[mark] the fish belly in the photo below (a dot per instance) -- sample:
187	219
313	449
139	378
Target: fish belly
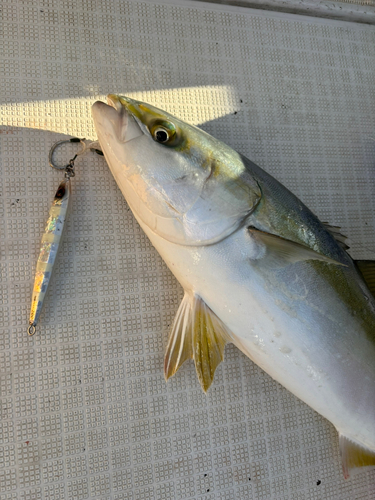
313	348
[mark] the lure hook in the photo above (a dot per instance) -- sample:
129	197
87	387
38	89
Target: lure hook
70	166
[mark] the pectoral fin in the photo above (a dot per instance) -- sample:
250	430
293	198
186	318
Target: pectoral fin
199	334
354	455
367	269
284	251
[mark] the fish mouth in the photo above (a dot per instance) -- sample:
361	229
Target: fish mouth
114	101
116	117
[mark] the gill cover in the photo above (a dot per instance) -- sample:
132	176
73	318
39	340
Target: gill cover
185	185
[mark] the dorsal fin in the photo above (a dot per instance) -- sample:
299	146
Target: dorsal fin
354	455
199	334
367	269
336	233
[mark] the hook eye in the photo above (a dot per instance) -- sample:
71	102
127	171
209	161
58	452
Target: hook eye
57	144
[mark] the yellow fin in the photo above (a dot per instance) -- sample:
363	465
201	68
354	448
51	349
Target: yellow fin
209	336
367	269
284	251
196	333
354	455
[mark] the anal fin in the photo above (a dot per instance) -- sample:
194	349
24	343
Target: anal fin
199	334
354	455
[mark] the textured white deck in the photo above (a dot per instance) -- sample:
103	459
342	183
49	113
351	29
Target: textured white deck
85	412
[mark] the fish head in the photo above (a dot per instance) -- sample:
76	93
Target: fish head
183	184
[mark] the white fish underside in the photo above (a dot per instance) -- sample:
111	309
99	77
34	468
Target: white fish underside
314	368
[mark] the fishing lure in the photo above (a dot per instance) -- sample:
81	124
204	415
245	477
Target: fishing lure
52	235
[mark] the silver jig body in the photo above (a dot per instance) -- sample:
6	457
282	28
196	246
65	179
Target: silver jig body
52	235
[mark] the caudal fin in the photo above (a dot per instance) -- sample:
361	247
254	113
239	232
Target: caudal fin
354	455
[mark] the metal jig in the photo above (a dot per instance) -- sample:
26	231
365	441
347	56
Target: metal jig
52	234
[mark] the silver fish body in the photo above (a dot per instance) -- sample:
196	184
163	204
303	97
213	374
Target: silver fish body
258	268
48	251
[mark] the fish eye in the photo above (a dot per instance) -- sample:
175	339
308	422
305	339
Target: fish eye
161	135
164	132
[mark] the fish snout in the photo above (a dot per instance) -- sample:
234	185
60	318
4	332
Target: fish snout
114	119
106	118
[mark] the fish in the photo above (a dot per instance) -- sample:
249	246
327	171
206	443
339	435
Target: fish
258	268
48	250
